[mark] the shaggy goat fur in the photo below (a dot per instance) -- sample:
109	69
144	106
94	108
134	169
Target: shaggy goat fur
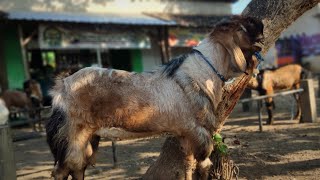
179	98
283	78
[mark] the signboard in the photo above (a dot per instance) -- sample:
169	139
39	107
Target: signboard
55	37
180	37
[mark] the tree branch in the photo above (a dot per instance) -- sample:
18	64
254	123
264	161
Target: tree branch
277	15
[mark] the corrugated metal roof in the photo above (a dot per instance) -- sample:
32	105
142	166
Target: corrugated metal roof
129	19
190	20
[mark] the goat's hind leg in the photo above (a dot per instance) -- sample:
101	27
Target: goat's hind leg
79	151
90	157
298	106
94	142
60	172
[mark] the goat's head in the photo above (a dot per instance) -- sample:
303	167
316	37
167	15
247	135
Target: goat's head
241	36
33	89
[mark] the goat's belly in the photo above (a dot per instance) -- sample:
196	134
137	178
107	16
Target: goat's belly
121	134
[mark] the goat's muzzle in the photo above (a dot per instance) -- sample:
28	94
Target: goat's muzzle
259	43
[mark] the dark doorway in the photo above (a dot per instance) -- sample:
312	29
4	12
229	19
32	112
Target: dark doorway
121	59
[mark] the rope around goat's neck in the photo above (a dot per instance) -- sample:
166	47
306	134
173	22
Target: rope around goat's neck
260	59
227	81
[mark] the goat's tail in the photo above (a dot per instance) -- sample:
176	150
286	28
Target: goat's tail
57	126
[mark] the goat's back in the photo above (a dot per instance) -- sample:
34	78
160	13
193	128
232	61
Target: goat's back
14	98
282	78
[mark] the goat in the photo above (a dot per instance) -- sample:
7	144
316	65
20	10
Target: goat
179	98
283	78
28	99
16	99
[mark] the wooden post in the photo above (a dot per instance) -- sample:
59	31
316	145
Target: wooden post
166	43
308	102
3	66
7	163
318	85
23	52
114	153
163	43
246	106
99	61
259	103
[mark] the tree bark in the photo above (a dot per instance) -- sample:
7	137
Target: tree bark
276	16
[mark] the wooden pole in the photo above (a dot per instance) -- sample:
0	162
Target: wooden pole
99	61
3	66
260	115
318	85
114	153
246	105
166	43
23	52
308	102
163	43
7	163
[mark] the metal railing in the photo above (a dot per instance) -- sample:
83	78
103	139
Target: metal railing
260	98
27	119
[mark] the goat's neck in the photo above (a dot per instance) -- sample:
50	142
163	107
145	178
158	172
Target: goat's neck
216	55
213	85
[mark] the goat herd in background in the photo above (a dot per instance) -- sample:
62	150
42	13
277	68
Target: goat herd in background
26	104
268	81
174	99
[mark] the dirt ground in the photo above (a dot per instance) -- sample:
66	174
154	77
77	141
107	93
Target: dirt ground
285	150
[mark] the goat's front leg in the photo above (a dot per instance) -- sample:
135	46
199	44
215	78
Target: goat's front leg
189	165
204	167
269	106
197	144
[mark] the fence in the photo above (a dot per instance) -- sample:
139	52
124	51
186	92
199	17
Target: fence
308	102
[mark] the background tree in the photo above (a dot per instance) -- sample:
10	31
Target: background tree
276	16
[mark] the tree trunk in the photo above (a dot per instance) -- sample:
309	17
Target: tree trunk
276	15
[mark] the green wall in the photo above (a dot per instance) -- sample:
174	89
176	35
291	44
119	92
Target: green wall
136	59
13	58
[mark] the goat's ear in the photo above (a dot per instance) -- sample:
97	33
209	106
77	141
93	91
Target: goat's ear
237	57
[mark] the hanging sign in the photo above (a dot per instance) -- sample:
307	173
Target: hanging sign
55	37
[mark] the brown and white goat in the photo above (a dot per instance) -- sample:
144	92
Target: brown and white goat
31	96
283	78
179	98
30	99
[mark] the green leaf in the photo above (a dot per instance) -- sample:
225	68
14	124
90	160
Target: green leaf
217	138
223	148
